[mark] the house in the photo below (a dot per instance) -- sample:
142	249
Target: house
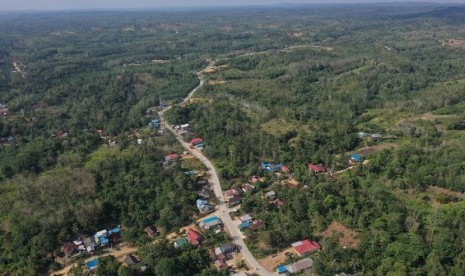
69	249
270	167
205	193
101	238
300	265
244	225
355	159
185	127
225	251
232	193
204	206
271	195
181	242
279	202
247	187
233	201
114	235
316	168
196	141
92	264
149	231
212	254
210	222
255	225
281	269
305	247
254	179
221	265
89	244
194	237
171	157
80	245
285	169
130	260
246	218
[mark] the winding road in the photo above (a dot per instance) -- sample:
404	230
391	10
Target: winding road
223	212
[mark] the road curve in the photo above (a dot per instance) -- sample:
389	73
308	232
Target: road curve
223	210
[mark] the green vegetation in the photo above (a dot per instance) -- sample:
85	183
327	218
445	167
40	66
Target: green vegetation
293	85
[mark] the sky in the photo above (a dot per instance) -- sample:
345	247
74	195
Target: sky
138	4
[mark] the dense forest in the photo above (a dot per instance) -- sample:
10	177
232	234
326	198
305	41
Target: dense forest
292	85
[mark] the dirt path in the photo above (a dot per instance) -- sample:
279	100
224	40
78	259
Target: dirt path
123	251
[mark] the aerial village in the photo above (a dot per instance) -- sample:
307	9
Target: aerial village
225	256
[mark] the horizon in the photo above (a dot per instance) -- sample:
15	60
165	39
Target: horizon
122	5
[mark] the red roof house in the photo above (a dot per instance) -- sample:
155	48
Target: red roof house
305	247
194	237
149	231
171	157
196	141
284	169
316	168
232	193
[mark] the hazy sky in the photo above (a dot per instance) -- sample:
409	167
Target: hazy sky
117	4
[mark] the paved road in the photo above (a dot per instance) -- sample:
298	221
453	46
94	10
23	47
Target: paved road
223	210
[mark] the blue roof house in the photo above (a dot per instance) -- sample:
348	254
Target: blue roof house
92	264
356	158
244	225
281	269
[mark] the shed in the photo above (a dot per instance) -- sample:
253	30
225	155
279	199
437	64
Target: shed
130	260
300	265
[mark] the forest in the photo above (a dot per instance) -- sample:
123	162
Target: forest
293	85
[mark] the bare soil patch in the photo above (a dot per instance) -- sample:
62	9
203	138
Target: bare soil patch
456	43
348	238
270	262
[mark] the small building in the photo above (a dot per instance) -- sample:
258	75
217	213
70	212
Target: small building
244	225
114	235
247	187
254	179
130	260
355	159
246	218
233	201
213	256
269	167
185	127
171	157
221	265
305	247
205	193
271	195
149	231
285	169
363	135
279	202
92	264
300	265
70	249
194	237
256	224
203	206
89	244
225	251
181	242
281	269
112	143
210	222
232	193
196	141
316	168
